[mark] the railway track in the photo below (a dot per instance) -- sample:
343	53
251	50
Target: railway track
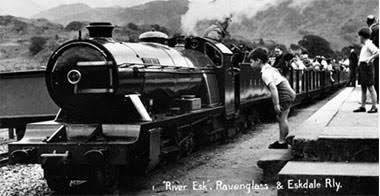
3	158
4	152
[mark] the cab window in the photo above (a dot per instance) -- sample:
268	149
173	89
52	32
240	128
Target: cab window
214	55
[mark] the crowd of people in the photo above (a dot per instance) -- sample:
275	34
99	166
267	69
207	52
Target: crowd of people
297	59
274	70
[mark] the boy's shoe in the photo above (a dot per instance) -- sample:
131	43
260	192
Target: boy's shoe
372	110
277	145
360	109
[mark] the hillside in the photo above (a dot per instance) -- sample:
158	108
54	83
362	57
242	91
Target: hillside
338	21
15	36
165	13
62	11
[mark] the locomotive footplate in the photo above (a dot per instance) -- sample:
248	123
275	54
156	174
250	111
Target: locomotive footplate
69	151
116	153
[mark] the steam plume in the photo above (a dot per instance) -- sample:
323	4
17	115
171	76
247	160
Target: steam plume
219	9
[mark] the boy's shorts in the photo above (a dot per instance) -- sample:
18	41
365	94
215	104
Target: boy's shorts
285	96
366	74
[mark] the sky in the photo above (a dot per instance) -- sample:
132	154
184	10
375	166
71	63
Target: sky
29	8
91	3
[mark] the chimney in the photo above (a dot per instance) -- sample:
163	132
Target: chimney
100	29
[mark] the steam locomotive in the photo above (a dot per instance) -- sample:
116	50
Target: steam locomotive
126	107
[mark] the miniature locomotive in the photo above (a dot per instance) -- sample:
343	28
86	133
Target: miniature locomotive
126	107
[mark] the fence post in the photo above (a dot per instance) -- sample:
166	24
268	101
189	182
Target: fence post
291	79
298	81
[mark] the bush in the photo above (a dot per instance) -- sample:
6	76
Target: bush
37	43
19	26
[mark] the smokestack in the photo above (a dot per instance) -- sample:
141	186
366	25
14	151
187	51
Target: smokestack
100	29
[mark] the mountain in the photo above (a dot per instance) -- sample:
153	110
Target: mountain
17	27
21	8
337	21
62	11
165	13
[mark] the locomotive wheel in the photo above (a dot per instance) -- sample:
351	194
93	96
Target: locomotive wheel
104	179
248	126
189	145
186	144
58	184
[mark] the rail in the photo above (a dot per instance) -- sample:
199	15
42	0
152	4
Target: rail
4	152
4	159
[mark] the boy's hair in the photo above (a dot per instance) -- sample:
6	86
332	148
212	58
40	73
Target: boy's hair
365	33
259	53
288	57
294	47
281	47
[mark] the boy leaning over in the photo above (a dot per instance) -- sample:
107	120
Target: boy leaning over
282	94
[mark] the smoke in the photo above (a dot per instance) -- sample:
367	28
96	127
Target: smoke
219	9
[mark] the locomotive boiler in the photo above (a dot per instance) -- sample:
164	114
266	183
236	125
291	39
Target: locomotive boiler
126	107
101	80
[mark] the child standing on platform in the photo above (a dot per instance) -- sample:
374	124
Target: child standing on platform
282	94
366	69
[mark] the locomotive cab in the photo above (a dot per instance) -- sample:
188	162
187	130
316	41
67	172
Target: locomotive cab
221	56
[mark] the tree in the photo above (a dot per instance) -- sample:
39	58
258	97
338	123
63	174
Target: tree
74	26
317	46
37	43
345	52
160	28
132	26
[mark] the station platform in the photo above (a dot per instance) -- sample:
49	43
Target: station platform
336	133
334	152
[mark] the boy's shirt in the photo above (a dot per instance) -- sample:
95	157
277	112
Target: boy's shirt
270	74
368	49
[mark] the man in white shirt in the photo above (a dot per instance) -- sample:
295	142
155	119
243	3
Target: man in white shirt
366	69
373	25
